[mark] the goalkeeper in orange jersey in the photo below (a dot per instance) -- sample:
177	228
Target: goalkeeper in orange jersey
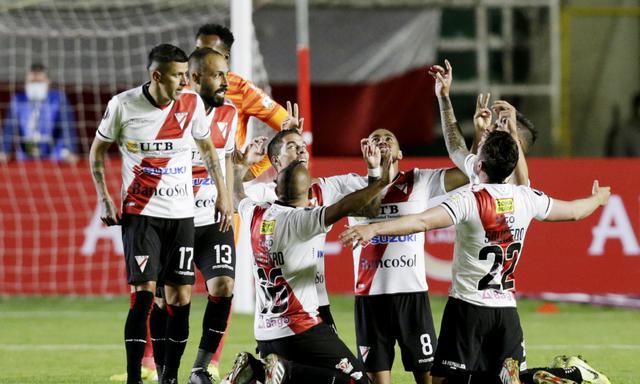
249	100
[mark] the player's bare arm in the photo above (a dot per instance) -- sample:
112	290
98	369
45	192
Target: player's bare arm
242	161
229	179
371	155
432	218
580	208
506	121
456	146
353	202
108	210
224	209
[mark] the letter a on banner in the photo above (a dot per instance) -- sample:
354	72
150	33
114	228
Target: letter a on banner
614	224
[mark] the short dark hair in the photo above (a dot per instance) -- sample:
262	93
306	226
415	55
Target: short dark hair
499	155
275	145
166	53
38	67
528	133
219	30
285	187
196	57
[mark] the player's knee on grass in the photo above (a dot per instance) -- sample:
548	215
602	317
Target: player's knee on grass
221	286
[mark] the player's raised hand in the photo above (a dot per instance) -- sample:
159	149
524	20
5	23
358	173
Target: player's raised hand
253	152
293	120
108	212
443	77
370	153
386	162
506	117
601	193
357	235
482	116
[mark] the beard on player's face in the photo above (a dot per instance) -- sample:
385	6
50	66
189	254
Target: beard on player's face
213	98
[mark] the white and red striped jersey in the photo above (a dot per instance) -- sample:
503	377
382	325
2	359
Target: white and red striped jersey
266	192
284	244
390	264
491	223
223	122
155	144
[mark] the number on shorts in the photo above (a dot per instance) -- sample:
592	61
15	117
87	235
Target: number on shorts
425	340
183	256
223	253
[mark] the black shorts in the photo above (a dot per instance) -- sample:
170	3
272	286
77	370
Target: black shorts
475	338
158	249
215	252
319	346
383	319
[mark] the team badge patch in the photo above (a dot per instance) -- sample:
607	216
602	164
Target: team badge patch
364	352
268	227
504	206
223	127
142	261
132	146
345	366
181	117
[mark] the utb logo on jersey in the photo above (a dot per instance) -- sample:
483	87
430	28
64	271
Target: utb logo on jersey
181	117
504	206
268	227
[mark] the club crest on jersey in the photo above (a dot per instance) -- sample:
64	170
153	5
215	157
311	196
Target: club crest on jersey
181	117
142	261
223	127
268	227
364	352
345	366
504	205
403	187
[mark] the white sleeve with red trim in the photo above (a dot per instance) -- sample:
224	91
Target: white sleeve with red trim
110	125
306	223
540	203
334	188
459	205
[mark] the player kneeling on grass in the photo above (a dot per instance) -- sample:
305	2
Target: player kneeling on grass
294	342
491	220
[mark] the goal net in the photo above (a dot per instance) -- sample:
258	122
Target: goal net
52	241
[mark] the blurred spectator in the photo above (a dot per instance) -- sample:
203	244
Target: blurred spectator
625	139
39	123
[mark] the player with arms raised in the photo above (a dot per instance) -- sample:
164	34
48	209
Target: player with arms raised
491	220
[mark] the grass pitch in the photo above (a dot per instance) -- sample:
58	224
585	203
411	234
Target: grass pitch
80	340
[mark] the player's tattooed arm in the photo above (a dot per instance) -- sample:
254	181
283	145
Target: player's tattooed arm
454	140
108	210
456	146
223	207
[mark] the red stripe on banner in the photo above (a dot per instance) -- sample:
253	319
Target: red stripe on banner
179	117
143	185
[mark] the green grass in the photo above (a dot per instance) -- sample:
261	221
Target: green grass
79	340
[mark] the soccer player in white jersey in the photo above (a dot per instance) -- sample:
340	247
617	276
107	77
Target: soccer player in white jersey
560	372
296	344
392	300
153	125
480	327
214	249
